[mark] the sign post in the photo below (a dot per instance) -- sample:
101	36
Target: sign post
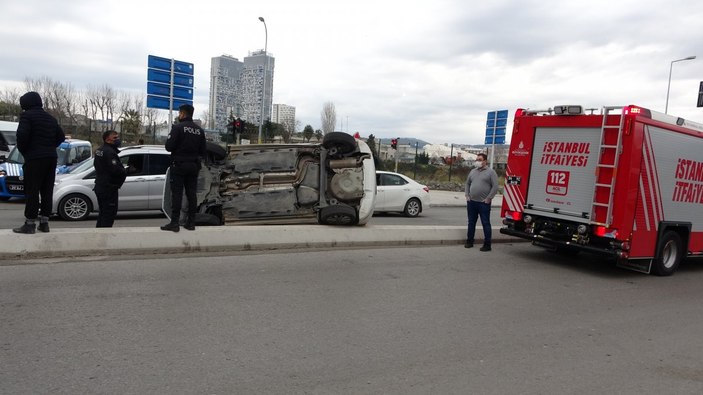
169	84
495	130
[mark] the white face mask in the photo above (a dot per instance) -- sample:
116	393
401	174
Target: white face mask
478	163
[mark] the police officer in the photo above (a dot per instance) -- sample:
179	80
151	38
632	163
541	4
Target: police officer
186	143
109	177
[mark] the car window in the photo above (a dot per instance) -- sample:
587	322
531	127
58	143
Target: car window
158	164
15	156
10	137
390	179
82	153
134	163
82	167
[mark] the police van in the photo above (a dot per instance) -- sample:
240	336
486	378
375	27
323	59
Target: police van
8	137
70	153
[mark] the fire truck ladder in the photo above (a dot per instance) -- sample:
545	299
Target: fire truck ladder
609	151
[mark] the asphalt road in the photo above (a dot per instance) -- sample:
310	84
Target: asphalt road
426	320
12	215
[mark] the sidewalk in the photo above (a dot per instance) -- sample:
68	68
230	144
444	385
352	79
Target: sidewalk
456	199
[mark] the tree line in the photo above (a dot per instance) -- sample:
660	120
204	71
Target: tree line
85	114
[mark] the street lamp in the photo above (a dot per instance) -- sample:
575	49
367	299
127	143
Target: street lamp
263	92
666	107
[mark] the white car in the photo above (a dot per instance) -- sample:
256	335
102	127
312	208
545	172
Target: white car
74	198
398	193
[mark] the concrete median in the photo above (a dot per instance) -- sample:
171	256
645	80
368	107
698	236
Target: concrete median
131	241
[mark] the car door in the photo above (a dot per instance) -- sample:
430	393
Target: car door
134	194
392	191
158	164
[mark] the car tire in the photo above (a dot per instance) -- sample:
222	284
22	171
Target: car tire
75	207
670	254
413	208
339	143
215	152
338	215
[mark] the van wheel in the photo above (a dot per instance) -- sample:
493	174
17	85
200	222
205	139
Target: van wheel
412	208
339	143
75	207
670	254
338	215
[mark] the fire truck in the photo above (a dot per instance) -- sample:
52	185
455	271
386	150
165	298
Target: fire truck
623	181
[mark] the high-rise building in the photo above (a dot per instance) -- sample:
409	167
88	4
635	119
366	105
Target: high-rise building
225	73
236	88
285	115
252	86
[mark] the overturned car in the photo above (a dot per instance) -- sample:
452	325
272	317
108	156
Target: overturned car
332	183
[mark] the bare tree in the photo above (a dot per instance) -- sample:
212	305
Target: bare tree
102	99
10	95
328	116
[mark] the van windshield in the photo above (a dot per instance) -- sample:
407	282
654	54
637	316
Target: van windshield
16	157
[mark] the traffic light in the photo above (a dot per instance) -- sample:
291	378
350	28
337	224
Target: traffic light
394	143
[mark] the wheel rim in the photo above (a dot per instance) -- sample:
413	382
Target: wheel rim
669	254
339	219
413	208
75	208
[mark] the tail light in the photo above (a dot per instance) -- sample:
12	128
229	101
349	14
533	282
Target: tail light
602	231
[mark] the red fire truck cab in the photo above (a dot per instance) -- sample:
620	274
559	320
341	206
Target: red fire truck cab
626	182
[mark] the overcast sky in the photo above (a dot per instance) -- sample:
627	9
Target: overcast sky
424	69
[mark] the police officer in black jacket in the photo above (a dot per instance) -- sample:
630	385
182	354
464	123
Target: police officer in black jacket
109	177
186	143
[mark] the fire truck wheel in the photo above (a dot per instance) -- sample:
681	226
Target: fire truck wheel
670	254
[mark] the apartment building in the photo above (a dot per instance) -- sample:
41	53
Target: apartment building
237	88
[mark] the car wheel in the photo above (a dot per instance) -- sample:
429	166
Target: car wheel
412	208
215	152
338	215
75	207
339	143
670	254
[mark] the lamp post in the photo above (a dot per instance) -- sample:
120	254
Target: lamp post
263	92
668	87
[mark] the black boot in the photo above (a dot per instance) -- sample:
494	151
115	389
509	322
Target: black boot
43	227
190	222
171	226
26	228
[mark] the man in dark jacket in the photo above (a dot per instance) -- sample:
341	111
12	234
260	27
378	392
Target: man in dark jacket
186	143
38	135
109	177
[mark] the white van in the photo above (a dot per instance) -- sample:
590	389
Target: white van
8	137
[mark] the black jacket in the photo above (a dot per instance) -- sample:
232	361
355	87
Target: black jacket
109	172
186	142
38	133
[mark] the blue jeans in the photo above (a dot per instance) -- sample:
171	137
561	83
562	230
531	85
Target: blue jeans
475	210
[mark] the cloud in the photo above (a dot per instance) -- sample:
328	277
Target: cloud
429	70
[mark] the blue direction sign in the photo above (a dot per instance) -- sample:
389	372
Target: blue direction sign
169	81
496	123
162	102
497	139
155	88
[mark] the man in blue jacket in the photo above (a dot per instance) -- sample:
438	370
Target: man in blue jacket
38	135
